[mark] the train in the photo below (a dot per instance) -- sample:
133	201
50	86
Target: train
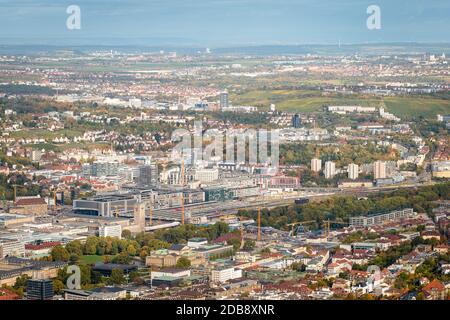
302	201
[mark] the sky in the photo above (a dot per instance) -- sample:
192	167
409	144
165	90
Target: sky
216	23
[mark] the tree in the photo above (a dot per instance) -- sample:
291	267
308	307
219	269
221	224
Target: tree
122	258
249	245
420	296
85	275
183	263
58	286
298	266
155	244
90	246
75	247
59	253
126	234
101	246
117	277
265	252
74	258
96	277
235	242
106	259
144	253
136	278
131	250
21	282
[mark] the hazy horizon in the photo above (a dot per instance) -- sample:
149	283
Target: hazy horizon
222	23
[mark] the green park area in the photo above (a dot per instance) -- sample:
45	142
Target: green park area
312	101
90	259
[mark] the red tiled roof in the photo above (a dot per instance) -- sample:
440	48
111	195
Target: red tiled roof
30	202
431	233
6	294
227	237
44	245
434	285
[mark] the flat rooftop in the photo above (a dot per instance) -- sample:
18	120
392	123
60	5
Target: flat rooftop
10	216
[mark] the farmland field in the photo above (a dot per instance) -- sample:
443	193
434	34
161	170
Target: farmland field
311	101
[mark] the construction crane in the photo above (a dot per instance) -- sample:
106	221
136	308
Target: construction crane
327	226
259	224
15	191
182	191
241	229
4	203
151	214
292	225
54	198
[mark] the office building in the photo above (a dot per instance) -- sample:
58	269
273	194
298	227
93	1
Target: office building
101	169
330	169
316	165
222	275
11	248
36	155
106	205
296	121
148	175
40	289
113	230
224	103
206	175
379	170
353	171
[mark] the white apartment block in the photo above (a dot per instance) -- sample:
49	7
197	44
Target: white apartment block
353	171
316	165
363	221
379	170
226	274
11	248
348	109
114	231
330	169
206	175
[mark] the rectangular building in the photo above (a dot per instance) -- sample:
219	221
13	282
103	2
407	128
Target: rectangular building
316	165
40	289
114	231
11	248
377	219
353	171
225	274
379	170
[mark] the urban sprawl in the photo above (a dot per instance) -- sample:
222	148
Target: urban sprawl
349	199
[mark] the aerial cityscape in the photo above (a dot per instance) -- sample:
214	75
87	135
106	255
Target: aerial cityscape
173	170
